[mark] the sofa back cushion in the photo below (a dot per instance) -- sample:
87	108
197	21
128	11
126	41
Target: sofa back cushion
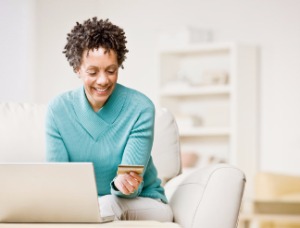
22	132
166	146
22	137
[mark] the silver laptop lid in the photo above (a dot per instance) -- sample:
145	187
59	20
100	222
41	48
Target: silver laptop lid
48	192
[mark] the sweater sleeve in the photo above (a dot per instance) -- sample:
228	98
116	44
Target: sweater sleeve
55	147
139	146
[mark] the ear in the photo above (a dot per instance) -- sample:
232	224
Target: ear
77	72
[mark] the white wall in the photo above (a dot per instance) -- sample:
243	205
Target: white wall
16	45
272	25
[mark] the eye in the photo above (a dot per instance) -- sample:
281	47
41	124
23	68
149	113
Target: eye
91	73
111	71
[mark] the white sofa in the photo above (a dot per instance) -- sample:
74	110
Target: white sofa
206	198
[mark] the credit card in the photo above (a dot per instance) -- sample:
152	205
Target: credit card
130	168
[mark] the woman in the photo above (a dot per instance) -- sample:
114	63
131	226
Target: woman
108	124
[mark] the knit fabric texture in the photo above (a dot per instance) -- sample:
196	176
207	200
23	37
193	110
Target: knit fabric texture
121	132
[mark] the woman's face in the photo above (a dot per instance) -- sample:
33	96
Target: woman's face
99	73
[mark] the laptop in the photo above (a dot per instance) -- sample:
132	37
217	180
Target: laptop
49	193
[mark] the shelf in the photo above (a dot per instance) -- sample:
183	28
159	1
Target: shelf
209	47
204	132
172	91
212	90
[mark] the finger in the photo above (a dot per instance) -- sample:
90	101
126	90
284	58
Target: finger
136	176
120	185
132	181
127	186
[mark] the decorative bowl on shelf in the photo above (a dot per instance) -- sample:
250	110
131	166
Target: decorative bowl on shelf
189	159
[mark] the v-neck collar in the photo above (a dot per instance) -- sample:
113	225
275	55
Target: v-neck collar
98	122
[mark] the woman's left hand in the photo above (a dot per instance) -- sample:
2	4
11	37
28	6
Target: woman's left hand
128	183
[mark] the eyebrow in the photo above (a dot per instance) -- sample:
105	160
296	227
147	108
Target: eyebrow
95	67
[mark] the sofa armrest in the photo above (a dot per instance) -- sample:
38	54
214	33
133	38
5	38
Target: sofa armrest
207	197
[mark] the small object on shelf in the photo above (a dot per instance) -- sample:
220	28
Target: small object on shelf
189	159
215	77
185	121
214	160
197	120
208	77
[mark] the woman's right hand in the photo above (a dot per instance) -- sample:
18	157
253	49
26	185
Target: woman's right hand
128	183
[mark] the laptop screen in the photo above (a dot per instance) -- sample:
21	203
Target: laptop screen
48	192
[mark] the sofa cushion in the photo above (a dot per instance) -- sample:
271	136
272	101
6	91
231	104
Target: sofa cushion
198	196
166	147
22	137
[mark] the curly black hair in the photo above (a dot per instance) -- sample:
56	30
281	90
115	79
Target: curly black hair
92	34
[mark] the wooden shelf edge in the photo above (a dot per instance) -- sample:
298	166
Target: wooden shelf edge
204	132
194	91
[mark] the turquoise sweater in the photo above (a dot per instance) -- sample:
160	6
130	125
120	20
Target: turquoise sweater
119	133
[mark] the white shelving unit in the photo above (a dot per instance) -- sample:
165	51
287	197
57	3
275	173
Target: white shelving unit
212	91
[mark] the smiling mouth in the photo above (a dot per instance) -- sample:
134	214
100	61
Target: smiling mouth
102	91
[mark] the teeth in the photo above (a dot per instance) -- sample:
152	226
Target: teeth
101	90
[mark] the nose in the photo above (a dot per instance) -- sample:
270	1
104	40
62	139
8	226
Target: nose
102	79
